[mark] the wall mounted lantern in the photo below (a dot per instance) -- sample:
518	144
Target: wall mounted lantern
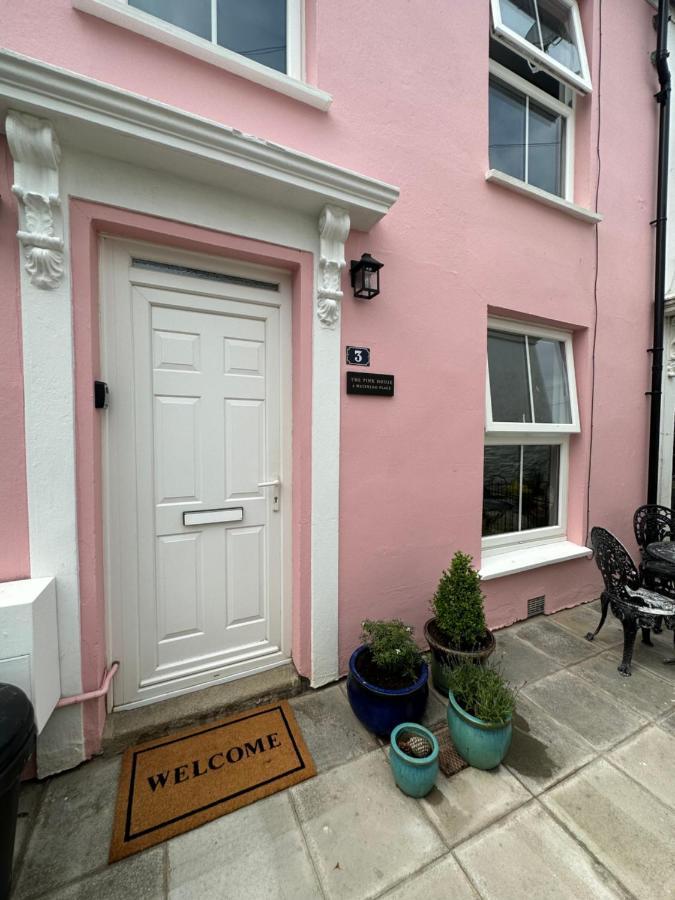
365	276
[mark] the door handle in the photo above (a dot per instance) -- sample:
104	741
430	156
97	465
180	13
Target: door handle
275	483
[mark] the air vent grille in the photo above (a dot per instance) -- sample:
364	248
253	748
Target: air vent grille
535	606
203	273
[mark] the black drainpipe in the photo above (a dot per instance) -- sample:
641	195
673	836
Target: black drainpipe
663	99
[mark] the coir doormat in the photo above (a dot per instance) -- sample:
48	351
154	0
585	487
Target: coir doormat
176	783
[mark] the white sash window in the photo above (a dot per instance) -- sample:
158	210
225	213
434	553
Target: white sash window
531	409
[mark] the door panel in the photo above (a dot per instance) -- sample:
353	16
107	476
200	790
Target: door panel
201	391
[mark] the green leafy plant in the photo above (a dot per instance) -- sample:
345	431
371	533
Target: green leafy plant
392	647
458	604
483	692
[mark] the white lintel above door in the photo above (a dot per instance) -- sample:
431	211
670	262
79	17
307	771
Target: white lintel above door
109	121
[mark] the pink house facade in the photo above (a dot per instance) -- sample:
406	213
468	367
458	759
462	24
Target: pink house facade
181	203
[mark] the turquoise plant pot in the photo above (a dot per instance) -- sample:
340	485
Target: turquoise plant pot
482	744
415	776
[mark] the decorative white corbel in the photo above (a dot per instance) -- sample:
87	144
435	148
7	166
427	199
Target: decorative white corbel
670	365
36	154
333	229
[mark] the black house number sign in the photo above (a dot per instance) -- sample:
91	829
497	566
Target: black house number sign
358	356
370	384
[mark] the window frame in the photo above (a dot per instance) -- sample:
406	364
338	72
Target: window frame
532	433
294	36
534	428
580	83
119	13
505	76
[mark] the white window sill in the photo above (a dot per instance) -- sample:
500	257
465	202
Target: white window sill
522	559
164	33
528	190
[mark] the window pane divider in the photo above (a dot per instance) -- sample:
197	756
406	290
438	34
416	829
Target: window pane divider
527	139
529	380
520	491
536	15
214	21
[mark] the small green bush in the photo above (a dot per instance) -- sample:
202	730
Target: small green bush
458	605
392	647
483	692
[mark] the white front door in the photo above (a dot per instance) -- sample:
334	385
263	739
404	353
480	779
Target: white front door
197	468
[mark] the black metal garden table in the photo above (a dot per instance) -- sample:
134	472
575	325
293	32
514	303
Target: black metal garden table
664	552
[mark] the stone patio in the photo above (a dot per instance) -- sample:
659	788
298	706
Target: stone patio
583	808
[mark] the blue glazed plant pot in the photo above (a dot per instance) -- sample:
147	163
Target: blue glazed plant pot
482	744
380	709
415	776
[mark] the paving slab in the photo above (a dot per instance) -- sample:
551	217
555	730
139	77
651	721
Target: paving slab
364	835
333	733
555	642
519	661
645	694
140	876
71	837
469	801
649	758
529	855
441	879
651	658
581	620
543	751
591	712
622	824
668	723
436	711
29	800
257	851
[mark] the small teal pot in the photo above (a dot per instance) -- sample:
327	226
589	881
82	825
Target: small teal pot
381	709
482	744
414	776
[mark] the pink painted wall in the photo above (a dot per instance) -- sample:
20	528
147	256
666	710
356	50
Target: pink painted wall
409	82
14	549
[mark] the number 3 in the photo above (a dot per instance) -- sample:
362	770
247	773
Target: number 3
358	355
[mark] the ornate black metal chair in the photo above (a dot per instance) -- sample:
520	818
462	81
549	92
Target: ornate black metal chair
634	606
653	524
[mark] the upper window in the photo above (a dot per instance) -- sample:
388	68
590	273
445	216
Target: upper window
548	34
256	29
531	408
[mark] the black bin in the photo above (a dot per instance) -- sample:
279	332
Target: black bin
17	742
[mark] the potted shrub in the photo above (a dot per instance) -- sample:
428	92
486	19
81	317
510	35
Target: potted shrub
413	757
480	709
457	632
388	678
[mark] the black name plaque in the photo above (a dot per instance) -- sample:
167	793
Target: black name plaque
370	384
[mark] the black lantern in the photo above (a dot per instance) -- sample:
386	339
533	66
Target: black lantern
365	276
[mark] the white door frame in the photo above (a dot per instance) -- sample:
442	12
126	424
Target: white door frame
117	277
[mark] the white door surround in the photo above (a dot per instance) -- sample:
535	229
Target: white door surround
248	189
200	370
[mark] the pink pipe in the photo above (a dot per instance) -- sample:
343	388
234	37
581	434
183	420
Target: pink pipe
92	695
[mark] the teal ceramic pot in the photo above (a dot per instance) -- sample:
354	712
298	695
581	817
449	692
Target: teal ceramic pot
482	744
444	659
414	776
